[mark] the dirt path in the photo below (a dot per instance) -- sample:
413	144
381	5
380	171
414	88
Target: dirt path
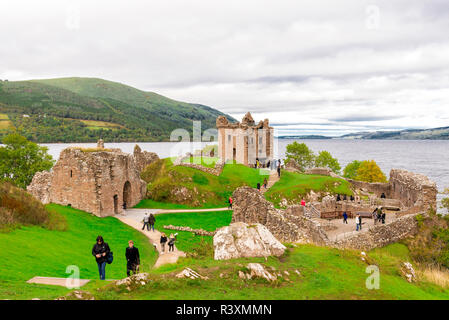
271	181
135	220
141	212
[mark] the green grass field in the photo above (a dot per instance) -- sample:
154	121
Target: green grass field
325	273
151	204
35	251
185	241
96	125
293	186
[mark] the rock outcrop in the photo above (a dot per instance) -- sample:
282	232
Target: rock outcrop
288	225
99	181
242	240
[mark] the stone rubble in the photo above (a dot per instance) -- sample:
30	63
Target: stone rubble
191	274
242	240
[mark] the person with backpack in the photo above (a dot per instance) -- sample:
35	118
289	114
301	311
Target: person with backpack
345	217
132	258
230	203
146	222
151	221
163	242
101	252
171	243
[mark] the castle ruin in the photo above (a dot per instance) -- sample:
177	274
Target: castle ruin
245	142
100	181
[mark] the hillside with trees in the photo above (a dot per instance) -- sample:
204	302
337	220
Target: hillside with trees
86	109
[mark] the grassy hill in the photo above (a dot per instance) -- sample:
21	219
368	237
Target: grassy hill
294	186
31	251
85	109
189	187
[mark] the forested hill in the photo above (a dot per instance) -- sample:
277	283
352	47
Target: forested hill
85	109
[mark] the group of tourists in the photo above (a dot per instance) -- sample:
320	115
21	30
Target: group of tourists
345	198
379	216
171	242
103	255
271	164
149	221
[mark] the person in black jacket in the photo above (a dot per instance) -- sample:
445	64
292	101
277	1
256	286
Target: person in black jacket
100	252
163	242
152	220
132	258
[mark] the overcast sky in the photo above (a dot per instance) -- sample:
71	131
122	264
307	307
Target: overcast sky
311	67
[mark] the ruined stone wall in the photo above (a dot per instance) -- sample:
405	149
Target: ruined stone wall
413	189
376	188
380	235
290	225
96	181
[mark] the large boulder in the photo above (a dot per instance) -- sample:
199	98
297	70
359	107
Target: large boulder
243	240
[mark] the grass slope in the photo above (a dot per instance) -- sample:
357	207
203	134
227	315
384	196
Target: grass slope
56	108
34	251
203	189
293	186
325	273
186	241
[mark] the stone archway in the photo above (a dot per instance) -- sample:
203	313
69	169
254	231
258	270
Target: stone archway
127	194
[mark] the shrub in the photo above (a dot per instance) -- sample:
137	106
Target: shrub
325	159
20	159
369	171
19	207
301	153
350	170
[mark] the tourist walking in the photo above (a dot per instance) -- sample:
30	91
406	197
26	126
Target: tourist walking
345	217
265	183
132	258
303	202
383	217
358	222
171	243
230	203
163	242
146	222
375	215
101	251
151	221
258	186
279	171
124	205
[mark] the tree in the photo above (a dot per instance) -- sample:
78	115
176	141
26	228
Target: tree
350	170
20	159
326	160
369	171
299	152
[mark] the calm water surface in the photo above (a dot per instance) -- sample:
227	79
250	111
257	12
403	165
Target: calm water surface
428	157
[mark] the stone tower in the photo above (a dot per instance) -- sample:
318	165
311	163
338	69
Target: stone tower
245	141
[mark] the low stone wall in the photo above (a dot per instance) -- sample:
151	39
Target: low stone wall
376	188
319	171
380	235
216	170
198	232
